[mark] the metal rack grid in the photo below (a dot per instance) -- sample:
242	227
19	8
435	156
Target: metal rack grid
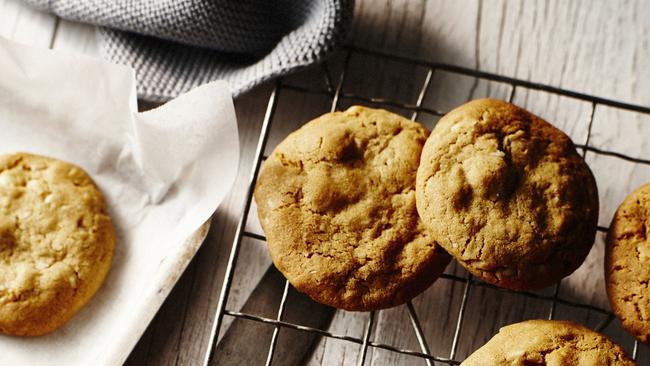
334	89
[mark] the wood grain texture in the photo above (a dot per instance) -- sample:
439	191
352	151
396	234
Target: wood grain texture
25	25
598	47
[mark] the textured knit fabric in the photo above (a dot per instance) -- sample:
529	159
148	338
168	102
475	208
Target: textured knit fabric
175	45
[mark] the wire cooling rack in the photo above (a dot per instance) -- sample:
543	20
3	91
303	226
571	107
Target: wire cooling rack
334	89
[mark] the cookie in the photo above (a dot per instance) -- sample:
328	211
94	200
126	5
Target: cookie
507	195
548	342
56	243
627	263
336	200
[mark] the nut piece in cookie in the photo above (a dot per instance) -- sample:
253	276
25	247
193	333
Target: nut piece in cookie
507	195
336	200
548	342
56	243
627	263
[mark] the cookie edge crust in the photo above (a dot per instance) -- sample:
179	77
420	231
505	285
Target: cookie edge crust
47	319
435	266
477	357
588	236
639	330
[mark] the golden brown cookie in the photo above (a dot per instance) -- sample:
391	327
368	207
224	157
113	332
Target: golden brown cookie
56	243
627	263
507	195
336	200
549	343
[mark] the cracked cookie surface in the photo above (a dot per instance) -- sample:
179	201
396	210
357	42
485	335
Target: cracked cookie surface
627	263
336	200
507	195
548	343
56	243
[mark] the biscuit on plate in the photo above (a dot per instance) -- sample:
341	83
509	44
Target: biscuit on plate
548	342
56	243
336	200
627	263
507	195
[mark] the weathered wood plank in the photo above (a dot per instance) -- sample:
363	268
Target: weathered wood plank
26	25
76	37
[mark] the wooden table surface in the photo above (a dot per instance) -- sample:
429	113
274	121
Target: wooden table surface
597	47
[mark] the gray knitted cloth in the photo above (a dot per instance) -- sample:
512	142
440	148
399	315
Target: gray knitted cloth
175	45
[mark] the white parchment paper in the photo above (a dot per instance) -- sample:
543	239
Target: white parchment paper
164	172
